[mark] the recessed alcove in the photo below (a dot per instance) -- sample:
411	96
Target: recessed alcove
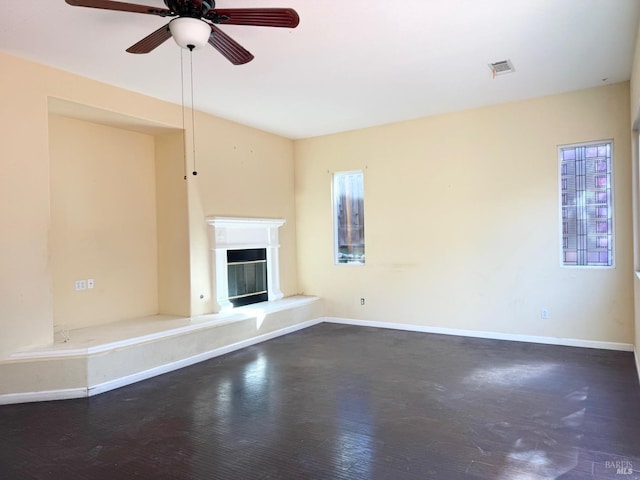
111	179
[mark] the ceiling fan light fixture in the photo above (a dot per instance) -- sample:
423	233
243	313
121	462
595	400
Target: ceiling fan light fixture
190	33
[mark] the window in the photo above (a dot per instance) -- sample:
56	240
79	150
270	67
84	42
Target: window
348	213
586	199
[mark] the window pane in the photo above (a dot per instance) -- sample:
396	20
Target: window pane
587	210
348	190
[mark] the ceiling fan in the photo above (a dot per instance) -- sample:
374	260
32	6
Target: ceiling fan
196	23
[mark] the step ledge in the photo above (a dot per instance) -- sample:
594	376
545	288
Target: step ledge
96	389
199	322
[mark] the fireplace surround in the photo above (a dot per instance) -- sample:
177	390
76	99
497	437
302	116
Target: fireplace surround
235	233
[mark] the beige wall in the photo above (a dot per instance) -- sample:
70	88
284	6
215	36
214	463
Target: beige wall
635	83
245	173
26	257
26	299
103	222
462	211
635	122
461	220
174	283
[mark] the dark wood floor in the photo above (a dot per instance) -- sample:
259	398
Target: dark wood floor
342	402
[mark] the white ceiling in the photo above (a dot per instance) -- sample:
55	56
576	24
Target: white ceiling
349	64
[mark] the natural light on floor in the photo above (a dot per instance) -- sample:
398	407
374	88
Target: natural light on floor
532	449
259	313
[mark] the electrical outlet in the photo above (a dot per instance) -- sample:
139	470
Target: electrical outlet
362	301
90	283
81	285
544	314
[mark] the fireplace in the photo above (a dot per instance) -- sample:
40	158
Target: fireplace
245	256
247	276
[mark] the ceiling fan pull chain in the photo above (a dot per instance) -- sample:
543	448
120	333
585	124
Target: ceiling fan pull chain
193	122
184	135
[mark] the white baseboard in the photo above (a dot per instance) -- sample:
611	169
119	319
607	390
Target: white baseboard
569	342
91	390
201	357
43	396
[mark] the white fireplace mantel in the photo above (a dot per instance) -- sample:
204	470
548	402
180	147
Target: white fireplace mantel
234	233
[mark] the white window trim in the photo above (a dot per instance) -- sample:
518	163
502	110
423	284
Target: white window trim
613	208
334	219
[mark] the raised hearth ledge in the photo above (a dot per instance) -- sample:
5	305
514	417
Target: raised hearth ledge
110	336
102	358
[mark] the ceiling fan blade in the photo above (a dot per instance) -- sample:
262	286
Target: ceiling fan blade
151	41
228	47
261	17
121	6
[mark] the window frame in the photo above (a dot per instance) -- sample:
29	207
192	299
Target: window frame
334	215
611	204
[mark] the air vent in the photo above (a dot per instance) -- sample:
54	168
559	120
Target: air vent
501	68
